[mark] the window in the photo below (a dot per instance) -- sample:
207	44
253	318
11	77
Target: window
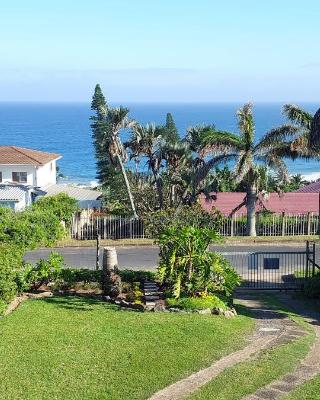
19	177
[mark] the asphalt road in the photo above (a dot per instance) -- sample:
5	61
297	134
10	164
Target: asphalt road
144	257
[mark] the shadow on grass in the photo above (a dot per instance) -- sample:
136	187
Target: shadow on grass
77	303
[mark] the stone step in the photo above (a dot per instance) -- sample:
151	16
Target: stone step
151	292
151	298
150	285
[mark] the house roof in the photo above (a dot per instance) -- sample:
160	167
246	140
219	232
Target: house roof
73	191
311	188
12	193
21	156
290	203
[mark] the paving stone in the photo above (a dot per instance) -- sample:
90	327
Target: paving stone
284	386
269	394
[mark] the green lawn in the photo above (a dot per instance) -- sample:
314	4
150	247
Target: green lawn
309	391
247	377
72	348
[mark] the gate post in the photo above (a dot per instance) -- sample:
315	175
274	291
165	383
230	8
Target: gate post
283	225
232	225
307	260
308	223
98	252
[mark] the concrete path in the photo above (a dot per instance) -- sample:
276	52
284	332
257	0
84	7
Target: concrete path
306	369
272	329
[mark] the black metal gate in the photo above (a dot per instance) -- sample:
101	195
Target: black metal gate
274	269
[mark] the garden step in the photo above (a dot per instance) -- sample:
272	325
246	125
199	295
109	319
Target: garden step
151	298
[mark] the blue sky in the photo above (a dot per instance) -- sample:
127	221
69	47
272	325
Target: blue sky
160	50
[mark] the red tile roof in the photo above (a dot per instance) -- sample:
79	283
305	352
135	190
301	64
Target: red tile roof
22	156
312	188
290	203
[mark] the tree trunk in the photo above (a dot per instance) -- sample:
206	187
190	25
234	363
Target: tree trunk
158	180
125	177
251	211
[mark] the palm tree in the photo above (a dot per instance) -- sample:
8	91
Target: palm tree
147	141
307	143
249	154
117	119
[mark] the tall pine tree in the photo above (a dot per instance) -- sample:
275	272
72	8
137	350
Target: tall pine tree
172	134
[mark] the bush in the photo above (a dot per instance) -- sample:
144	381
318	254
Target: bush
312	287
10	266
61	206
188	267
193	216
197	303
131	276
71	276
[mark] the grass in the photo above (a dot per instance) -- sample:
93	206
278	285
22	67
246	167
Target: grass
247	377
76	348
308	391
150	242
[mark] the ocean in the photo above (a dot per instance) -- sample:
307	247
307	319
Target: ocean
64	128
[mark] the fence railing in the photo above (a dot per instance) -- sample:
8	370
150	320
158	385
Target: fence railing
117	227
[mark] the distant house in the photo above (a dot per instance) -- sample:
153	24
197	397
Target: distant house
311	188
35	168
288	203
26	174
16	197
87	198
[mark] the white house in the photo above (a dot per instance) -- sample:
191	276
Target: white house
19	165
27	174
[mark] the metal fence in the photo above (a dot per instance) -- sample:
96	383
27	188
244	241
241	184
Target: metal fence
274	269
117	227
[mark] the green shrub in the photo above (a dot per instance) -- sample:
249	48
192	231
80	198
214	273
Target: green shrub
312	287
188	267
10	266
60	205
193	216
197	303
129	275
71	275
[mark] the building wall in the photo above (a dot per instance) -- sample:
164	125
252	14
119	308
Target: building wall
46	174
36	176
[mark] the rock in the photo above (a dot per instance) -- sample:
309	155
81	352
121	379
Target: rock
234	311
173	309
40	295
159	307
228	314
217	311
204	311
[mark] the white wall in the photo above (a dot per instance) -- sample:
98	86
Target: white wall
46	174
36	176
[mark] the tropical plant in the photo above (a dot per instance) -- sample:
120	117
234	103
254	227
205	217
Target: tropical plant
106	127
146	141
187	267
249	155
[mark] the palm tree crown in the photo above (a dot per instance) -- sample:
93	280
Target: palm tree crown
250	154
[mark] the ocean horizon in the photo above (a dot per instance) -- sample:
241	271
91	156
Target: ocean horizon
64	128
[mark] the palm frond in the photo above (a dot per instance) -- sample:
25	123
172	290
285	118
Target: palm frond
246	124
297	115
314	139
221	141
274	136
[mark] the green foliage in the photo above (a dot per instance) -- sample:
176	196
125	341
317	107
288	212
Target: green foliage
194	216
187	267
312	287
62	206
129	275
197	303
72	275
10	265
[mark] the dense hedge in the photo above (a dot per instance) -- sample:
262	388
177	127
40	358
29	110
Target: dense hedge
39	225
